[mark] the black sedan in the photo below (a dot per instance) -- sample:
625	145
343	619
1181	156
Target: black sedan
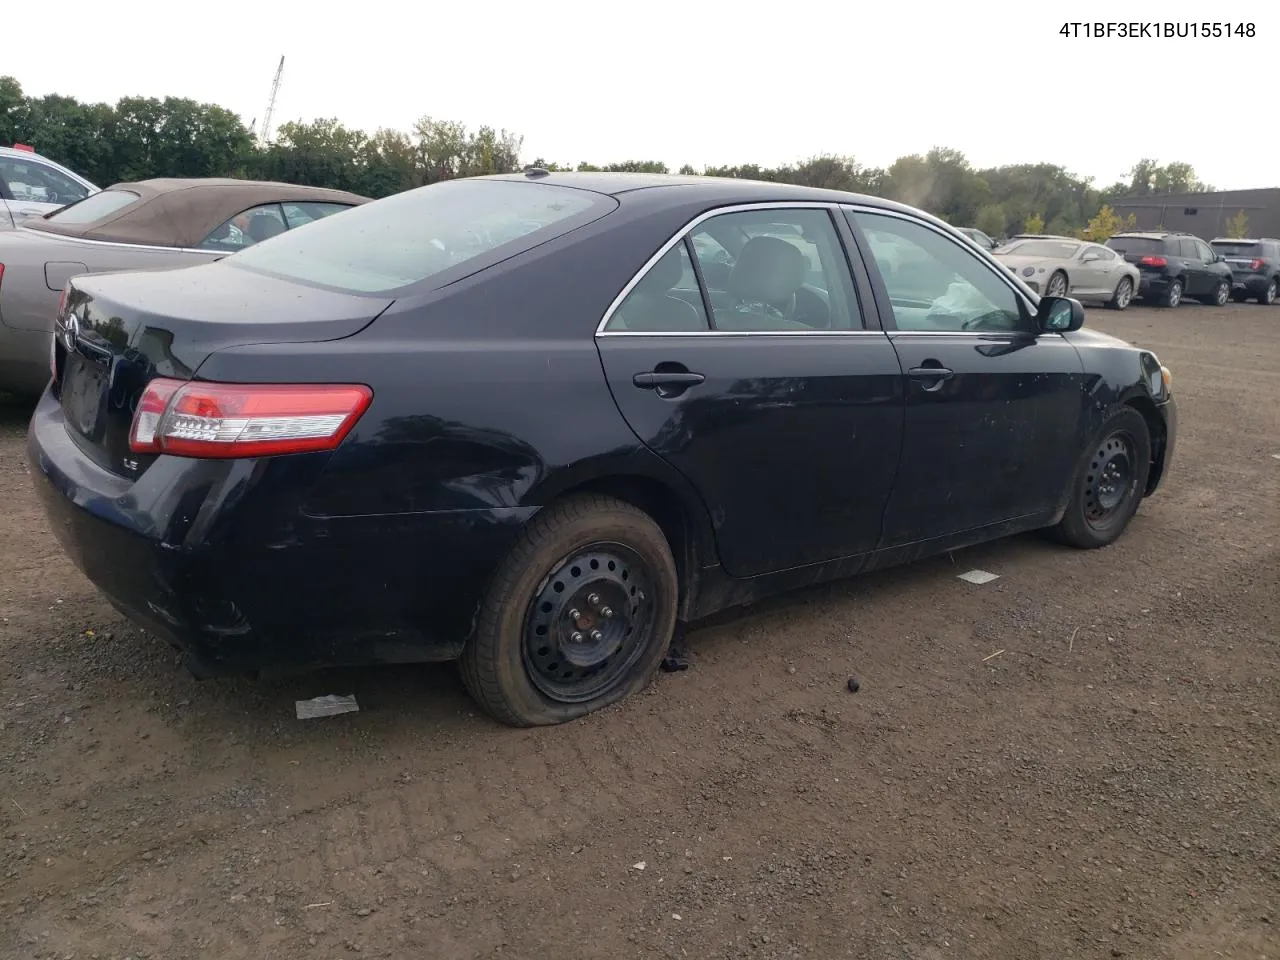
533	422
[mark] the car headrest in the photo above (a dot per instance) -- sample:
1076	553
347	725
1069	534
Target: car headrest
768	270
664	274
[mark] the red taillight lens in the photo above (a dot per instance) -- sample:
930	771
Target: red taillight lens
24	146
1255	264
1154	262
1	273
197	419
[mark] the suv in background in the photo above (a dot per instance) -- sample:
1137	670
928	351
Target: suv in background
978	237
1175	265
32	185
1255	267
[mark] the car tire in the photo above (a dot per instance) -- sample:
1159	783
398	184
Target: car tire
1102	501
1060	278
1123	296
515	664
1173	295
1268	296
1221	295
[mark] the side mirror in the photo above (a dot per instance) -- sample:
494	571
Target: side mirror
1060	314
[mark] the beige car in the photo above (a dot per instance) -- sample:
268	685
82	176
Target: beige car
1067	267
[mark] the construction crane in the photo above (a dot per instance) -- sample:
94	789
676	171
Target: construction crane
271	104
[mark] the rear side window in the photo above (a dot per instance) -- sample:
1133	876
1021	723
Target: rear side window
443	231
1137	246
95	207
301	213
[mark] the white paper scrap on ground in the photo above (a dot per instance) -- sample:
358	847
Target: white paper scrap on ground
979	576
1276	455
329	706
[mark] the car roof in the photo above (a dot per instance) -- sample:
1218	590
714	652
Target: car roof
1048	236
1244	240
1152	234
174	212
636	187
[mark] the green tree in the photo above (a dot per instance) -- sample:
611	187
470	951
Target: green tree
1106	224
1238	226
1033	224
991	220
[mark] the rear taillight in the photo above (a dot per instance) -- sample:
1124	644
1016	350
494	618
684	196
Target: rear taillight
1255	264
1	273
53	340
1153	262
199	419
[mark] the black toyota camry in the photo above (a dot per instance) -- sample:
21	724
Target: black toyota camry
533	422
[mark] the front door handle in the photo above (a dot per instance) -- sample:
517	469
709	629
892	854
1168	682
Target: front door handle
930	373
657	378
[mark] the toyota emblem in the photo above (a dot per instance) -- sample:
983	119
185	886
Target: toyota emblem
70	333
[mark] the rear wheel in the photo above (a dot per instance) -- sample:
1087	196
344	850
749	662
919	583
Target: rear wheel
1057	285
1109	483
1268	296
1123	295
1172	296
1221	293
578	616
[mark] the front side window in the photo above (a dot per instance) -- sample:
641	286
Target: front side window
776	271
247	228
934	283
37	182
94	207
452	227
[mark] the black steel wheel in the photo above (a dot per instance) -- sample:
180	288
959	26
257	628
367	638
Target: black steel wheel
578	616
1110	482
586	625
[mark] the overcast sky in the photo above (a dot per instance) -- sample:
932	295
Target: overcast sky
721	83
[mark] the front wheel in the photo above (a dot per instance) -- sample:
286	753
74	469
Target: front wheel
1123	295
578	616
1109	483
1057	285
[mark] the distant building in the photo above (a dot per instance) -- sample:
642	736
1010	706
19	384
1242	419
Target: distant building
1206	214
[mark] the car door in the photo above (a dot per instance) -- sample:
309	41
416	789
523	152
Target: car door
992	406
773	392
1097	271
1214	272
35	188
1198	283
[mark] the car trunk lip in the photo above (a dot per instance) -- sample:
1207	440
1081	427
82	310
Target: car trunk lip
117	332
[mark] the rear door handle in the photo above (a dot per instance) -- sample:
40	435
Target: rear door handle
654	379
930	373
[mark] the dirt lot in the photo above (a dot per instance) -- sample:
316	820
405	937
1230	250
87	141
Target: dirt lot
1106	786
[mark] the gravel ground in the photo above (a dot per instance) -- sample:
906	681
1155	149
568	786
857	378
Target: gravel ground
1080	759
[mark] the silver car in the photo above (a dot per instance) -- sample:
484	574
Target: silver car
150	225
1067	267
32	185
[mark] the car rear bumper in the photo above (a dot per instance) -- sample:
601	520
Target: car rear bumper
24	361
207	556
1253	284
1152	285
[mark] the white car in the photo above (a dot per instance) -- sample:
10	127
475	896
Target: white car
32	185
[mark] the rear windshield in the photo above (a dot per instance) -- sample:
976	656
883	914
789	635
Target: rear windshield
416	235
94	207
1142	246
1239	248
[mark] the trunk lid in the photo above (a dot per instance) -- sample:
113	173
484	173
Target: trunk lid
116	332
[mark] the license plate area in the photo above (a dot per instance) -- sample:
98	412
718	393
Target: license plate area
84	390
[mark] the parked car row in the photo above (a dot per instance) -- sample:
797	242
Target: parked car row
150	225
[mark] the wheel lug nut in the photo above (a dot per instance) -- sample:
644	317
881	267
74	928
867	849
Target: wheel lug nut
594	599
574	614
576	637
606	612
597	636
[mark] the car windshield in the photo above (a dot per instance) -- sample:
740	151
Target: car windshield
1238	248
1137	246
412	236
1049	249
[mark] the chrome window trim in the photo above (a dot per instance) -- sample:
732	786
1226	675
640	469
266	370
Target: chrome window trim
119	244
832	208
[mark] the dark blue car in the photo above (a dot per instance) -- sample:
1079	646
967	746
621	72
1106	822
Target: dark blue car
536	422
